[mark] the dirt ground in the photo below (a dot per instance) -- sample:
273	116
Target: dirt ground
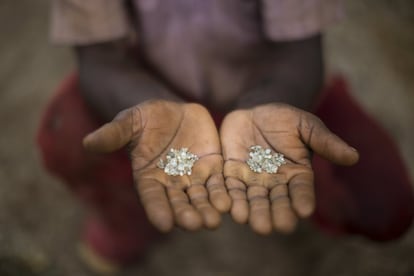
39	220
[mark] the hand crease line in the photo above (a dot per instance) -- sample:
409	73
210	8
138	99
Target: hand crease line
210	154
142	125
261	133
278	197
213	186
235	160
258	197
273	186
295	185
237	189
179	200
164	148
198	198
271	144
300	127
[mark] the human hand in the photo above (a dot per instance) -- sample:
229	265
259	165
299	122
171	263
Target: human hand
275	201
150	130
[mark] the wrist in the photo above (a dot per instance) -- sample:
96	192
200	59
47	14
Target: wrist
291	72
304	100
110	82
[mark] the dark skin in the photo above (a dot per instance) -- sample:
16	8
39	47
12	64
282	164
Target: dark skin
288	73
151	129
276	201
112	81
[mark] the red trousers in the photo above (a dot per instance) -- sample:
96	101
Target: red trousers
373	198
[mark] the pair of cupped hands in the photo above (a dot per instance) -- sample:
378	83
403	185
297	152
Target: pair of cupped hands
221	181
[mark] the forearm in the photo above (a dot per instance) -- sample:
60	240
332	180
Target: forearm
110	80
290	72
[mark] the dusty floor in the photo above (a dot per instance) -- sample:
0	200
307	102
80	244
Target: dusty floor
39	220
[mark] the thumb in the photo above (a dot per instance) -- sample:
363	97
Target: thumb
328	145
113	135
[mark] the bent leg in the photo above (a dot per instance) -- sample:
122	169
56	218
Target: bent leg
373	198
117	228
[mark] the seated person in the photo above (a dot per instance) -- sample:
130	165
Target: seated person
216	77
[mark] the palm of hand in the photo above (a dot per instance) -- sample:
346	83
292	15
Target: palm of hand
151	130
270	201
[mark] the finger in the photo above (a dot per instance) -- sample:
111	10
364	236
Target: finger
233	144
113	135
156	205
236	169
302	194
199	199
185	214
259	218
326	144
239	207
218	194
284	219
208	172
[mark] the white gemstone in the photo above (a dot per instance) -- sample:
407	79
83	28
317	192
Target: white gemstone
264	160
179	162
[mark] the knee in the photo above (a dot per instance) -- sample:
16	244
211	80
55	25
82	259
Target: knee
389	221
64	123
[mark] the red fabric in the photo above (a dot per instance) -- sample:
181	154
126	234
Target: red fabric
117	228
373	198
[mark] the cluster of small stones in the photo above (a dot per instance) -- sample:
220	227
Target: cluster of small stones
264	160
179	162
